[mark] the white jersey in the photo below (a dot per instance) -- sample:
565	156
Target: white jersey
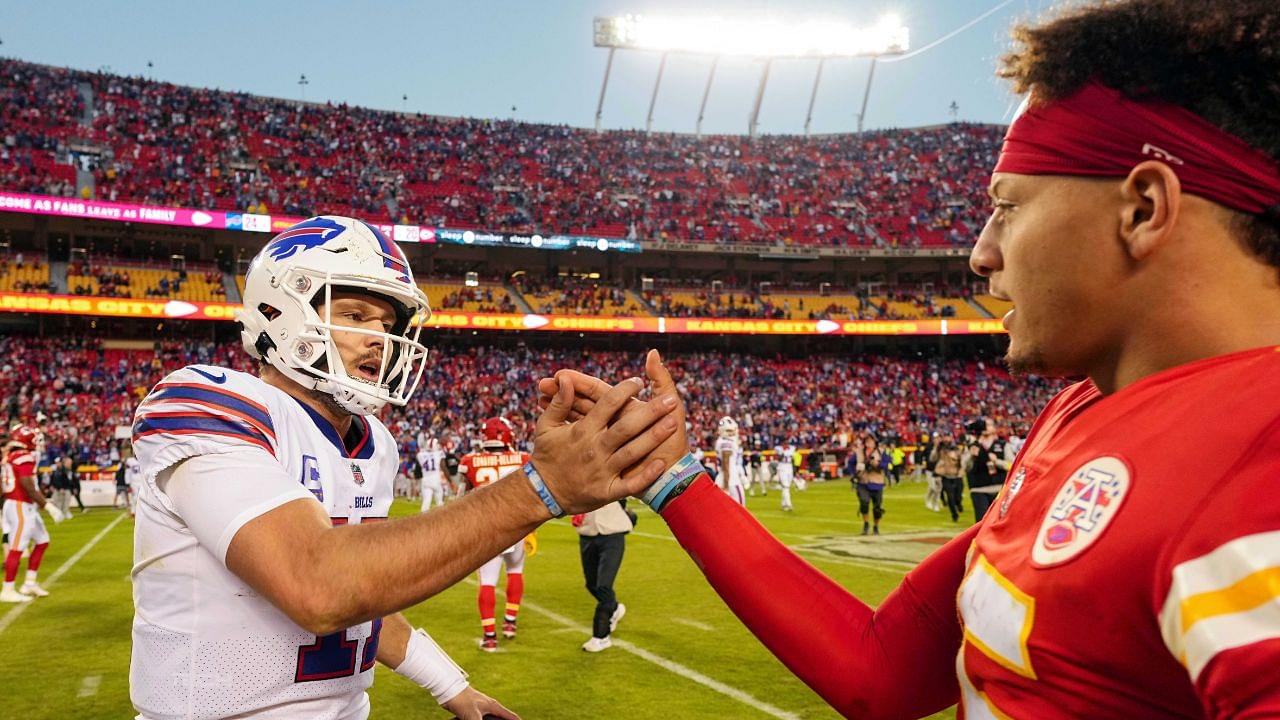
432	462
786	460
205	645
731	468
132	471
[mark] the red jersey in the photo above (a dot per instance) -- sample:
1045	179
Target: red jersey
1131	566
482	468
19	464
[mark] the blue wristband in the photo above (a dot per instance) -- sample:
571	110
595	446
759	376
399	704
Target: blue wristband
540	487
676	478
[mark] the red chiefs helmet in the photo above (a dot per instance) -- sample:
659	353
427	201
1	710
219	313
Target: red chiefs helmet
497	434
27	437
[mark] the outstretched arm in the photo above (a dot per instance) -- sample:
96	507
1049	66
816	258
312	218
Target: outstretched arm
896	661
320	575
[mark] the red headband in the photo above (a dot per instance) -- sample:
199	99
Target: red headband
1097	131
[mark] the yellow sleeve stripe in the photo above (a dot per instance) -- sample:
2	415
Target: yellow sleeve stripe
1225	599
1246	594
1209	637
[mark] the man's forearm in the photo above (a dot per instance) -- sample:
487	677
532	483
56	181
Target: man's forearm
907	645
393	641
433	550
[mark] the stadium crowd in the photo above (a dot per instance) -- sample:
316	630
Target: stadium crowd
84	391
855	304
158	143
572	296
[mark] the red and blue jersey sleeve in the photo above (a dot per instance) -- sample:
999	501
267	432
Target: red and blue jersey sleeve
201	410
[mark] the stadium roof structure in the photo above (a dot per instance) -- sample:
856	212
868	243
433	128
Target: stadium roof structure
765	39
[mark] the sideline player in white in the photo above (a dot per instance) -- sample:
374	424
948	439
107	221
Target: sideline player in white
786	453
431	458
729	450
262	588
22	504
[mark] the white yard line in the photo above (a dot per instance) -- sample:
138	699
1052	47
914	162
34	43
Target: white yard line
89	686
693	624
18	609
670	666
896	567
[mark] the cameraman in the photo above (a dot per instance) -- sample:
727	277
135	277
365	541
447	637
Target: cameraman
948	464
871	467
988	465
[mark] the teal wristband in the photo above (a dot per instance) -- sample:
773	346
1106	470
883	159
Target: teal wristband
540	487
672	483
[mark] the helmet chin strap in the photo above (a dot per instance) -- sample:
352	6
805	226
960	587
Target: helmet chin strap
349	399
344	397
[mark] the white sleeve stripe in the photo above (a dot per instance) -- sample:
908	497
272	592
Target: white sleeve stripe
1213	635
1231	580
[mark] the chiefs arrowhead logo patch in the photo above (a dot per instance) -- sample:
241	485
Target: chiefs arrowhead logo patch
1087	503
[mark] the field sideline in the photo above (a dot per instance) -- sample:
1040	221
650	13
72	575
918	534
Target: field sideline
678	654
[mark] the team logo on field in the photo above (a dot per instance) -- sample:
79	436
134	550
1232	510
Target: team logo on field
1018	479
1087	503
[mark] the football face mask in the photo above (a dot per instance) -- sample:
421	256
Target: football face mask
299	271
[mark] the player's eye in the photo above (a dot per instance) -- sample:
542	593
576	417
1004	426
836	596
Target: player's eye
1001	207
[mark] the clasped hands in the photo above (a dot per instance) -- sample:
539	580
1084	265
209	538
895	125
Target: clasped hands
596	443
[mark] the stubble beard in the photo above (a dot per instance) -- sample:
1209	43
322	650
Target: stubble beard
1028	363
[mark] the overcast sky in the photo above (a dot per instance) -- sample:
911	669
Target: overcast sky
484	57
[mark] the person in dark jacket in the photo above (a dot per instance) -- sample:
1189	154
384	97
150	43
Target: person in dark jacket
603	537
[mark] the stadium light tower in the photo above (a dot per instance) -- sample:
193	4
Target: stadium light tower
754	38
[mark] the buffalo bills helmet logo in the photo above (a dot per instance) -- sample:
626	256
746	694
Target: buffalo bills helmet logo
303	236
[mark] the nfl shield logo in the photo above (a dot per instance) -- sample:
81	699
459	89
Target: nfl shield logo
355	473
1012	492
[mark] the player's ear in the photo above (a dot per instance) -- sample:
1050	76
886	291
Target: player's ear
1150	202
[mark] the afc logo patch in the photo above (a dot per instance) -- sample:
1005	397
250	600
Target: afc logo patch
311	476
1088	502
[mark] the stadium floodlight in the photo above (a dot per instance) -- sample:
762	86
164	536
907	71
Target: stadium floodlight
752	37
765	39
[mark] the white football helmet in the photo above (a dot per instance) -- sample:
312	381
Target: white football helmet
299	270
433	445
728	427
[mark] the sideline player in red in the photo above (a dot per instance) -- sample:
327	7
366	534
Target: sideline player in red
498	459
1130	568
22	522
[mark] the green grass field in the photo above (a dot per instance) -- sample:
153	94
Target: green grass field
678	654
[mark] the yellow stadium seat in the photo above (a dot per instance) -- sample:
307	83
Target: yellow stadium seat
142	279
11	276
438	290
